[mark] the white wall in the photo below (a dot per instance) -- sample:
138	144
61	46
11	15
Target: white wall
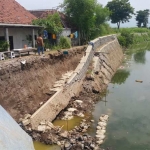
19	36
66	32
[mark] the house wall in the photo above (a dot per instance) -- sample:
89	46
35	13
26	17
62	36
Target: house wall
66	32
19	36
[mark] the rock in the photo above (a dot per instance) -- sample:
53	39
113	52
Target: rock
42	123
98	128
70	117
50	125
103	128
72	109
101	131
73	141
92	120
20	120
86	127
68	113
58	143
102	124
89	77
83	120
92	146
97	148
84	130
41	103
95	88
102	119
100	137
79	101
80	115
42	128
27	116
99	142
67	146
26	122
48	128
64	134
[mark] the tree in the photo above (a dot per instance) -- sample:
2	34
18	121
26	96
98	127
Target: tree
86	15
142	17
121	11
81	14
52	23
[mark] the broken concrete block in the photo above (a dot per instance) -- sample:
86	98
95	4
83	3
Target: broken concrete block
42	128
26	122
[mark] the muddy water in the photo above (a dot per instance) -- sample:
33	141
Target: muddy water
40	146
128	104
68	124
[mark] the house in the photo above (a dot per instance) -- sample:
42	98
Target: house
67	27
16	25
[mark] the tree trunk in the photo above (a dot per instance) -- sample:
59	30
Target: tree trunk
118	24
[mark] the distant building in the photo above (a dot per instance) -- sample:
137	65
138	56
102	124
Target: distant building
67	27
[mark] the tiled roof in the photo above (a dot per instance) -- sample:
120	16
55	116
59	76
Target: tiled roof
45	12
12	12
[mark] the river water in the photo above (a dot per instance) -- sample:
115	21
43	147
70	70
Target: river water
127	102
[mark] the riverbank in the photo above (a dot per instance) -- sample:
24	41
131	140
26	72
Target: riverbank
25	87
98	75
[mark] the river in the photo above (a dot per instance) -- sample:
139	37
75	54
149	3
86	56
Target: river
127	103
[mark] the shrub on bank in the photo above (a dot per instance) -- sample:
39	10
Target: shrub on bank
126	38
64	42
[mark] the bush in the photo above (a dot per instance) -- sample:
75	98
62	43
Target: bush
126	38
64	42
3	46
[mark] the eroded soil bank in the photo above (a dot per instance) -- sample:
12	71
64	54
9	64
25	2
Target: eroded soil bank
24	86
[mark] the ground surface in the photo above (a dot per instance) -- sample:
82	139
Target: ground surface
24	87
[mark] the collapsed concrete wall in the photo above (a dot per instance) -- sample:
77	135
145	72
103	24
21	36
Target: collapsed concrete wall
60	99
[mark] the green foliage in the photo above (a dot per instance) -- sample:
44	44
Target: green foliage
4	46
142	17
122	40
132	36
101	14
52	23
86	15
121	11
134	30
126	38
64	42
103	29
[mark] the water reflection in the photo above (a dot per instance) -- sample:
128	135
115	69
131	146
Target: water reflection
128	106
120	77
140	57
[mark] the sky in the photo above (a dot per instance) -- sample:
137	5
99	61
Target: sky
52	4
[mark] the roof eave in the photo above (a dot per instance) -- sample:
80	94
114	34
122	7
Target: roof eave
19	25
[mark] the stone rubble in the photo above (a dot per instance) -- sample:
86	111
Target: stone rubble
101	129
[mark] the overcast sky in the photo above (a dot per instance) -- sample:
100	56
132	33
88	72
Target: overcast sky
49	4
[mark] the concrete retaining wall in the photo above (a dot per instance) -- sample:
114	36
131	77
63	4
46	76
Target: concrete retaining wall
73	86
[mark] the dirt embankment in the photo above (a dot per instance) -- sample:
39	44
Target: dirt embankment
24	87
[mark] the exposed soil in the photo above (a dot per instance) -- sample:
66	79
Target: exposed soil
24	86
77	138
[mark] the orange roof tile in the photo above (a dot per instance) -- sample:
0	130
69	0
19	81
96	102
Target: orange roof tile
12	12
